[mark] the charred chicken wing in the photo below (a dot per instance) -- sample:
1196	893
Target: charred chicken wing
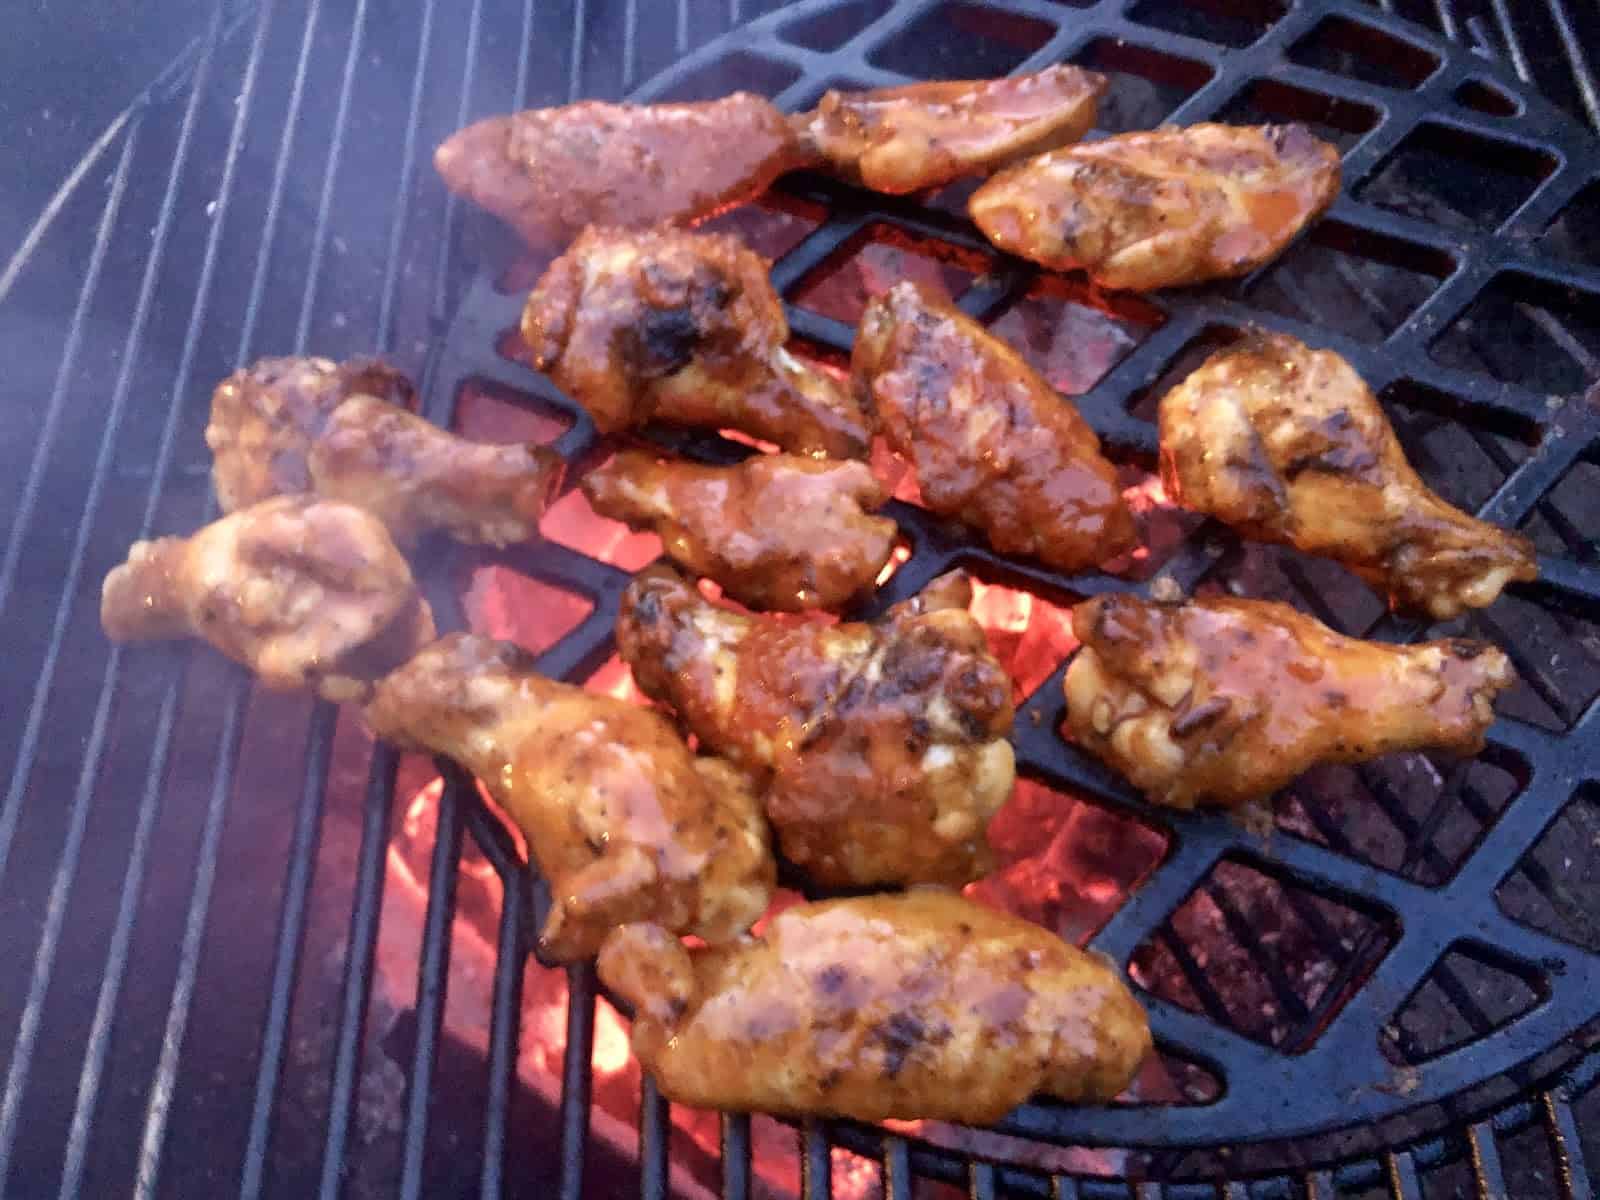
1287	444
684	328
776	532
300	590
920	1005
884	744
1159	209
1220	701
626	824
992	443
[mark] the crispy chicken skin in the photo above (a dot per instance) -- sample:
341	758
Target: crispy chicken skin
884	744
918	1005
1173	206
904	139
550	172
303	591
776	531
341	430
1287	444
684	328
625	823
1221	701
992	443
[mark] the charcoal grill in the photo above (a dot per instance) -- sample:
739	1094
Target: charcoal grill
193	969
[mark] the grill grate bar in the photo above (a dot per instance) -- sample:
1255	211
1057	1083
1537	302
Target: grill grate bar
897	1180
654	1124
1566	1144
452	205
1402	1169
408	161
981	1181
1486	1162
1572	45
736	1155
504	1031
1508	34
816	1165
575	1079
1064	1187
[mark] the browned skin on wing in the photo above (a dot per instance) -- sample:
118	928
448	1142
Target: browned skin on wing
903	139
626	824
1220	701
1151	210
1287	444
992	443
550	172
919	1005
885	743
292	425
684	328
775	531
304	592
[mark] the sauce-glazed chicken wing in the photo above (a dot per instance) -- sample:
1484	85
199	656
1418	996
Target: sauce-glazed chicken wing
904	139
1287	444
776	531
885	743
992	443
550	172
304	592
920	1005
625	823
292	425
1221	701
1174	206
684	328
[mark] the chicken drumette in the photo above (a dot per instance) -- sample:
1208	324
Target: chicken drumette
291	425
1158	209
684	328
884	743
920	1005
626	823
776	531
1221	701
1287	444
300	590
992	443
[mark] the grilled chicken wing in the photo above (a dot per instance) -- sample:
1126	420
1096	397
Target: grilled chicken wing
903	139
550	172
1220	700
302	591
684	328
290	425
626	824
885	743
1287	444
992	443
920	1005
776	531
1152	210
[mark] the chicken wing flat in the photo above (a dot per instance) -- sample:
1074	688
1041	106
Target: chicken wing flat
1287	444
920	1005
303	591
1220	700
292	425
550	172
625	823
776	531
684	328
1174	206
992	443
884	744
904	139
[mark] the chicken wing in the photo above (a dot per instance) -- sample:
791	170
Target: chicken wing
625	823
684	328
1220	701
919	1005
776	531
884	743
292	425
302	591
1174	206
550	172
904	139
992	443
1287	444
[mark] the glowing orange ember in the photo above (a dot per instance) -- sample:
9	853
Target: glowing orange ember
1029	635
575	525
487	413
502	603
